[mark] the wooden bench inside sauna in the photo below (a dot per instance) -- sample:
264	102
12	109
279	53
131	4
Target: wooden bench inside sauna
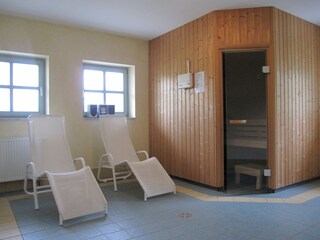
249	134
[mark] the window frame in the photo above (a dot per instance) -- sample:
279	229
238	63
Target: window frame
104	69
41	62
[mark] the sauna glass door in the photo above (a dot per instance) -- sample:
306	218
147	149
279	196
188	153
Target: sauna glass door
245	121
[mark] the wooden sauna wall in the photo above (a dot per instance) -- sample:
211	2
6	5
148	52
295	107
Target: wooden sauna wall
183	122
296	56
186	128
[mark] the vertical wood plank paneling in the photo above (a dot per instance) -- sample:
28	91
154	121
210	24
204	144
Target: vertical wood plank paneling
186	128
283	106
296	109
183	108
201	101
212	160
196	141
206	65
244	27
173	133
188	145
187	149
296	62
166	100
192	154
171	137
304	109
180	164
193	123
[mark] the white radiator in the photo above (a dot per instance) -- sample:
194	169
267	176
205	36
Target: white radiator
14	156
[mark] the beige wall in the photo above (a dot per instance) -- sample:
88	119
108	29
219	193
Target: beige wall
66	48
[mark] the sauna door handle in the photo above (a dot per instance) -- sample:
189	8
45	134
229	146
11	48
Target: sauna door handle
238	121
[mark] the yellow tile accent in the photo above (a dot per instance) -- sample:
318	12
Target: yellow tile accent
14	238
298	199
259	200
226	199
8	227
15	232
243	199
6	219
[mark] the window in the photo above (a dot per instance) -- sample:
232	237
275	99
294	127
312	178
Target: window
22	84
105	85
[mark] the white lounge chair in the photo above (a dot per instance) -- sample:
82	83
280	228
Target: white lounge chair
51	157
152	177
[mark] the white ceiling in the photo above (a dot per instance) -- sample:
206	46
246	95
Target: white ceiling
143	19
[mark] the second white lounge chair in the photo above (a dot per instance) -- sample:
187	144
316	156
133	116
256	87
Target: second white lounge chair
152	177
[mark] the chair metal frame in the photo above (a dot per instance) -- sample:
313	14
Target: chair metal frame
120	152
36	187
32	172
107	161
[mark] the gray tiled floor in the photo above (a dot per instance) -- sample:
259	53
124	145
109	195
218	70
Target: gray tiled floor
177	217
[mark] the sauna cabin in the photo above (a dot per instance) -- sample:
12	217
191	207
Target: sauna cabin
259	106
